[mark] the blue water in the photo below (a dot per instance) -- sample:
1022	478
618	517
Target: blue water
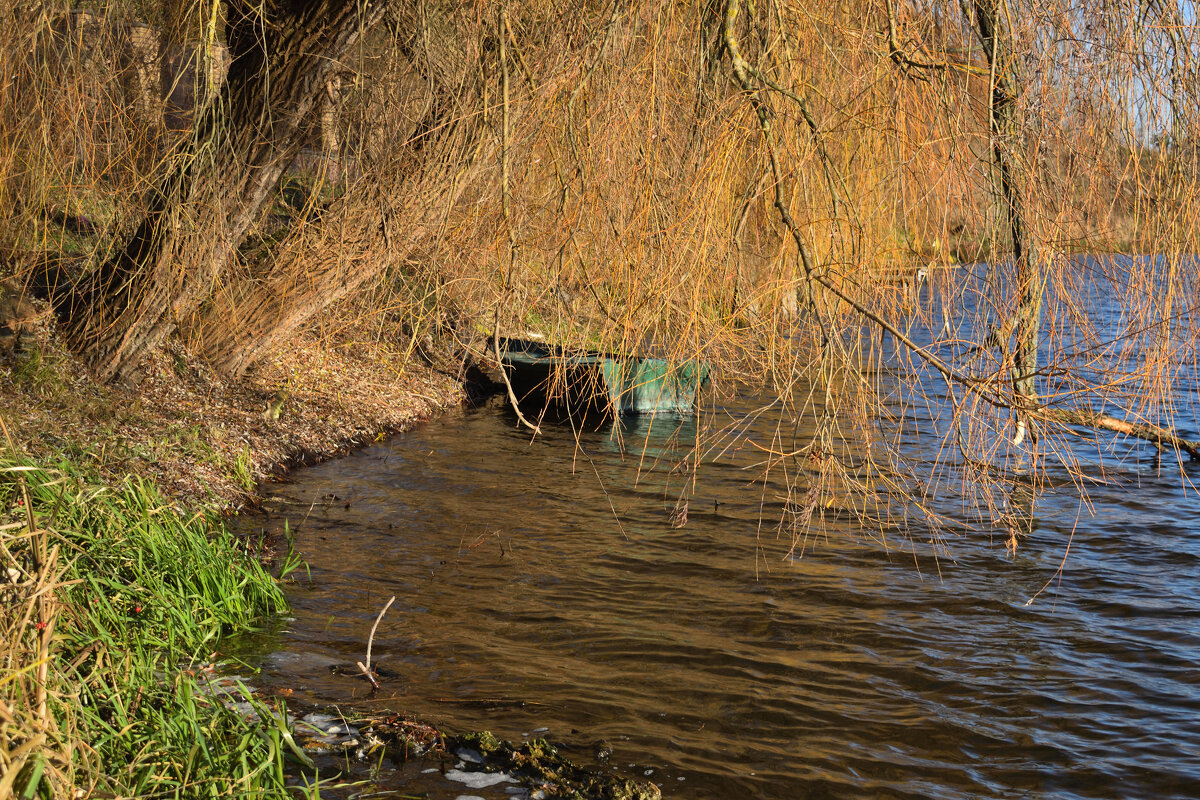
748	655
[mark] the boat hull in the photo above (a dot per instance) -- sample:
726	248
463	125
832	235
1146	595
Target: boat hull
589	382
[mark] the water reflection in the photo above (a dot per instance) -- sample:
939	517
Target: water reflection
549	572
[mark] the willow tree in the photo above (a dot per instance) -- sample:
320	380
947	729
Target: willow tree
754	183
423	137
282	55
421	149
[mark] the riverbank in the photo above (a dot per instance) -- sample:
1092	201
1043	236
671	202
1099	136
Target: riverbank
207	441
119	578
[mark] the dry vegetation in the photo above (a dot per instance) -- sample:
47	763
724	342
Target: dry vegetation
754	184
263	255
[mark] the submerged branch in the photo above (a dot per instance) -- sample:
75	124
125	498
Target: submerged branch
1086	417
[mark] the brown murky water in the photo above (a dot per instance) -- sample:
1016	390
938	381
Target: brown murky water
548	576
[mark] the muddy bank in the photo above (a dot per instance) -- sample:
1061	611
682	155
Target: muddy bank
206	441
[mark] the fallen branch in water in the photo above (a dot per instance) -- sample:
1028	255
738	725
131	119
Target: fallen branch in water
366	668
1161	437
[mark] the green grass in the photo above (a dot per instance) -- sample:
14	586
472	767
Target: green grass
243	472
114	594
39	370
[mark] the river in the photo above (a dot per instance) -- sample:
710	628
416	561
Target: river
720	661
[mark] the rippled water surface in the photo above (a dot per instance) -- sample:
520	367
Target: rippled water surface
550	574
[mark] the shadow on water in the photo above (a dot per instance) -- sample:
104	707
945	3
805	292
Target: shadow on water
542	589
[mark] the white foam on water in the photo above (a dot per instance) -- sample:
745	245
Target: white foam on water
467	754
479	780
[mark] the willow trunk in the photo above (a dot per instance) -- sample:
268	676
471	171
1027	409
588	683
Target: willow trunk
282	56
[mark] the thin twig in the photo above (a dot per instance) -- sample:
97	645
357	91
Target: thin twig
366	668
512	396
505	139
371	638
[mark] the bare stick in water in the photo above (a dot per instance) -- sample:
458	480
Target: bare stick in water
366	668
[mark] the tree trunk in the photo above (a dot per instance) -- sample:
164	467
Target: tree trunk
1025	322
283	55
247	318
373	228
182	55
360	237
330	146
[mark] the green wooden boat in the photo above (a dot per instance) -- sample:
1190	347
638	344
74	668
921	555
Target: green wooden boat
546	374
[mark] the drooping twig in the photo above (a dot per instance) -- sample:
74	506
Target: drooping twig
512	396
902	59
742	70
505	137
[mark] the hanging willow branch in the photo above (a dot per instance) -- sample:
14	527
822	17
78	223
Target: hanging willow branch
512	396
744	71
1027	317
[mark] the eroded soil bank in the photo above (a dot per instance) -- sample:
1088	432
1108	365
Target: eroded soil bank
206	441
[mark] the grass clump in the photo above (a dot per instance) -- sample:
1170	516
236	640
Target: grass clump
243	471
107	596
38	369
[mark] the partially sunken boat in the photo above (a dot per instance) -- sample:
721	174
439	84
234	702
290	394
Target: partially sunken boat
543	374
